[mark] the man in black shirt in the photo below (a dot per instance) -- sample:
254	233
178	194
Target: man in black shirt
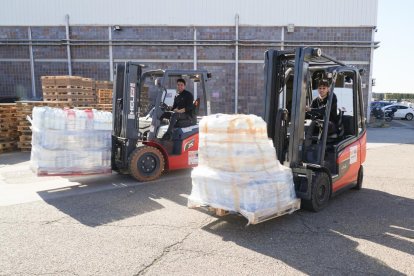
318	106
182	110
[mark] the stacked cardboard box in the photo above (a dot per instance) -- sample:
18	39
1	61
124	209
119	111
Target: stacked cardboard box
8	127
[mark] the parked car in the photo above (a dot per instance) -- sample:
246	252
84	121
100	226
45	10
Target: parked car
380	104
403	111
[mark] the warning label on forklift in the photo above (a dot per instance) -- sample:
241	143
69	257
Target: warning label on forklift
193	157
353	154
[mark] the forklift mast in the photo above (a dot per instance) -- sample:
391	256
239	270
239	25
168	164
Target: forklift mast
125	112
298	63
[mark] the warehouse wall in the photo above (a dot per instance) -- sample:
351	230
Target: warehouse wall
91	49
189	12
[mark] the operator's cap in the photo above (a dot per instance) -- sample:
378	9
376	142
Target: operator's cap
323	82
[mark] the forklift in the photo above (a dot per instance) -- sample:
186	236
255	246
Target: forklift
139	100
323	164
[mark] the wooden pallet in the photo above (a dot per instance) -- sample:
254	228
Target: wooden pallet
92	106
48	80
25	145
12	133
41	172
25	138
219	212
10	145
103	85
104	107
68	81
24	129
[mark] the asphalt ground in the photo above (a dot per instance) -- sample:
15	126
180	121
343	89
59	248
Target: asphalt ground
112	225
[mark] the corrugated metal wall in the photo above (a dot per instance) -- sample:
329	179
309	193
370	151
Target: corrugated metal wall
189	12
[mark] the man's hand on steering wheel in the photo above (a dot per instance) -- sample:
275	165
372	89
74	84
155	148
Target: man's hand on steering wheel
313	114
164	107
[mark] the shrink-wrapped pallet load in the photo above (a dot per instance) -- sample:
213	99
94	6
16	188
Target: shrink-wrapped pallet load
238	170
70	141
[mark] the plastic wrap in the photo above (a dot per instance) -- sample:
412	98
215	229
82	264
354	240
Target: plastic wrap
70	141
238	170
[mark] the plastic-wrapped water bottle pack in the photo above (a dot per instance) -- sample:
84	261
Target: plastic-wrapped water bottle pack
70	141
238	170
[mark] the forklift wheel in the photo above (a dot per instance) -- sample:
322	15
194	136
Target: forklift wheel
146	163
358	186
320	194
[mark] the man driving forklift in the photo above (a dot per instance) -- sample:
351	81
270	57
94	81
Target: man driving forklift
181	113
318	106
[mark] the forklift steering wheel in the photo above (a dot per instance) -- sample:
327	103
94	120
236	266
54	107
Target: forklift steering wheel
164	107
313	115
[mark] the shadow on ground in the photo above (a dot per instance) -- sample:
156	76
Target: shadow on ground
330	238
15	157
127	197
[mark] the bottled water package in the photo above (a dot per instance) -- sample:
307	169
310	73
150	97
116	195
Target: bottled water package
238	170
65	141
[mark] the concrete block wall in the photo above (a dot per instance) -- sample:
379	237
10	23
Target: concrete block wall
170	47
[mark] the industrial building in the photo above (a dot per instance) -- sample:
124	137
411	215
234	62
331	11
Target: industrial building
228	38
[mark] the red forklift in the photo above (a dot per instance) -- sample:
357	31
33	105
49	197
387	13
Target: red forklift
323	164
139	100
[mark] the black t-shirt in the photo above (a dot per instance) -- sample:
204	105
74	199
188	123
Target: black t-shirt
184	100
319	106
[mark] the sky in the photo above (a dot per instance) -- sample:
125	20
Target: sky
393	64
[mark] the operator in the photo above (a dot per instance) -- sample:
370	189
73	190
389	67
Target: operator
182	110
318	106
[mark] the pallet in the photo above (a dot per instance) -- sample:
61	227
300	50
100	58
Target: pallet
103	85
86	107
105	101
24	145
6	126
24	129
219	212
68	80
25	138
48	80
7	115
73	173
8	134
11	145
104	107
31	104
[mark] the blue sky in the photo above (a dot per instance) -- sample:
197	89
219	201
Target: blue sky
394	59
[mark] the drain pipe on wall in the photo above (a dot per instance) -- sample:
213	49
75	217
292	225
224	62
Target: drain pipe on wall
195	61
111	59
32	72
368	106
236	73
68	45
282	97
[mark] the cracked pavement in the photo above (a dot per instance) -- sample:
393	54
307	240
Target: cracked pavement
111	225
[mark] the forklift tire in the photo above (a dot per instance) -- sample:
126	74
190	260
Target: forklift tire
146	163
320	194
360	179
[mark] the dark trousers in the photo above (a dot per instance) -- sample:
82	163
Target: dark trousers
177	120
314	130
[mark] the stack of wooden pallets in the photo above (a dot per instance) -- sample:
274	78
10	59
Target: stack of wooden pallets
24	109
104	99
76	91
104	95
8	127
